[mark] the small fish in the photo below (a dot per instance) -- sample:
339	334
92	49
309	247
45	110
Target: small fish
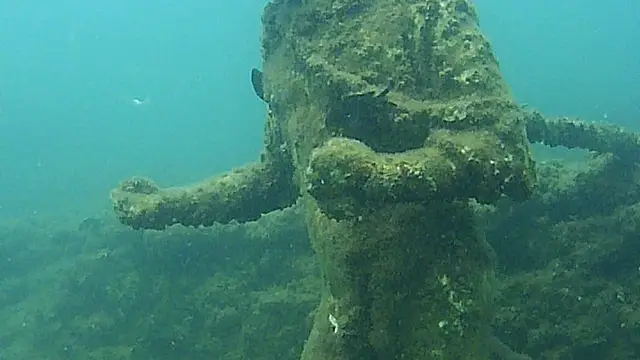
140	102
257	83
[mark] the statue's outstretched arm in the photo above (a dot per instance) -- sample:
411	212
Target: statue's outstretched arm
241	195
573	133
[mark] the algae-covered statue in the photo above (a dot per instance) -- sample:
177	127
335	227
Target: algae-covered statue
385	118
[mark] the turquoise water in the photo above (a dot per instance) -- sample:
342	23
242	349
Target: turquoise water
71	71
92	93
571	57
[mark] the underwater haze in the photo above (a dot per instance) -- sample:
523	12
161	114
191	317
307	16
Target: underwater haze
94	92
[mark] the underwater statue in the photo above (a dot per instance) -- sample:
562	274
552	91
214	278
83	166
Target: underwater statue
387	118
